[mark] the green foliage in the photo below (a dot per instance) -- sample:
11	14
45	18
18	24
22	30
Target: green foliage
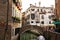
16	19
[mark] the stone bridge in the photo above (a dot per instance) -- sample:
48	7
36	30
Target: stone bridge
31	27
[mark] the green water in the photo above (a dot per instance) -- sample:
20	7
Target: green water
28	36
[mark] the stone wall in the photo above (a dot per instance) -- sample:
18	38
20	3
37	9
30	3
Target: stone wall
52	35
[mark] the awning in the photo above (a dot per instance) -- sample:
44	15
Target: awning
56	22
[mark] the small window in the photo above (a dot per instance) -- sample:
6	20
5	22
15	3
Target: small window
42	16
41	10
38	10
31	21
49	22
32	9
42	22
49	17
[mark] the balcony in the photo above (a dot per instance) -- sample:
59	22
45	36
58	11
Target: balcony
16	19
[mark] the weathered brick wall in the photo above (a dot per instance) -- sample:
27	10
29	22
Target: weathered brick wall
3	17
57	7
3	10
2	32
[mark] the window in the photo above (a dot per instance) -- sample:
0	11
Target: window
32	9
38	10
31	21
49	22
41	10
42	22
14	1
42	16
49	17
37	21
17	30
32	16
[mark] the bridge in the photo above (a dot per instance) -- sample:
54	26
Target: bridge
32	27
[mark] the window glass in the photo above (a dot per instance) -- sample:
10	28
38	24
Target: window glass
41	10
32	16
49	17
42	22
38	10
31	21
49	22
42	16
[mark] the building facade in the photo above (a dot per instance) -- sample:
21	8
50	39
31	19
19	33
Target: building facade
13	8
40	16
16	16
57	8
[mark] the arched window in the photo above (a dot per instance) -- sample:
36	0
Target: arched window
32	9
32	16
49	17
42	16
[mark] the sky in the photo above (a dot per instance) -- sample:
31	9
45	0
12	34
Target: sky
45	3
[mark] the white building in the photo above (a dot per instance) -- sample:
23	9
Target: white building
40	16
16	16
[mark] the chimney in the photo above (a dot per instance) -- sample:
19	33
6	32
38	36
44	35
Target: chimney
39	4
35	4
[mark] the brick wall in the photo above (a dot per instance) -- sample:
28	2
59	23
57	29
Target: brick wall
3	17
57	7
3	10
2	31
